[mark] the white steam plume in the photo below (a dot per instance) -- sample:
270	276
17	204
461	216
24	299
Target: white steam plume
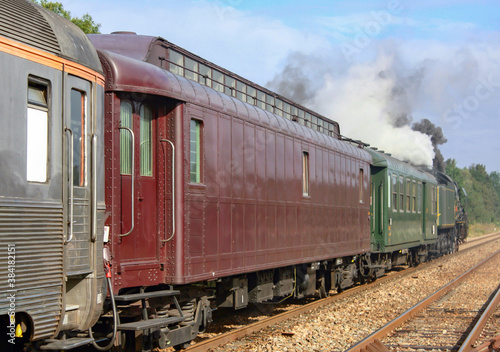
370	102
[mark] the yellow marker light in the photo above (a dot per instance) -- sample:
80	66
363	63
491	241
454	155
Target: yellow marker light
19	331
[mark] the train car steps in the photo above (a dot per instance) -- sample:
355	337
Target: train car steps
65	345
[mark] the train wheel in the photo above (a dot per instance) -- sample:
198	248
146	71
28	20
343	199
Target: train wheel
324	284
365	270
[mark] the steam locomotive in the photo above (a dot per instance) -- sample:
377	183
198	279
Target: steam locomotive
142	187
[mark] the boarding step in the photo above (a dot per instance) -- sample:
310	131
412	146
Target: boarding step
145	295
65	345
149	324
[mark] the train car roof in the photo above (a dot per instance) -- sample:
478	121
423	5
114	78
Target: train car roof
386	161
164	54
126	74
30	24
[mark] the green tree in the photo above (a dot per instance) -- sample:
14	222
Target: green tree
483	190
86	23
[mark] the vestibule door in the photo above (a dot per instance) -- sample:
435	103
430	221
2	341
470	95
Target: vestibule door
139	193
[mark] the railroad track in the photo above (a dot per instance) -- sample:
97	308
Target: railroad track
452	318
251	328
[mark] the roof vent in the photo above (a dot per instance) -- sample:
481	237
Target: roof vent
124	32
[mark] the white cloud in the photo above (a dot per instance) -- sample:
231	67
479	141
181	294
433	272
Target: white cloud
250	45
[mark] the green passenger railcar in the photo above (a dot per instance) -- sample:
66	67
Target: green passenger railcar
404	209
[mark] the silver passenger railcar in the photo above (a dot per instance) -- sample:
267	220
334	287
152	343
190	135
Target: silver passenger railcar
51	178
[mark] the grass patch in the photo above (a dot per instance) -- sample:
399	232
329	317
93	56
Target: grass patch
476	230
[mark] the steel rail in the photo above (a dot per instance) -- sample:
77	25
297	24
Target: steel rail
254	327
365	344
489	346
467	345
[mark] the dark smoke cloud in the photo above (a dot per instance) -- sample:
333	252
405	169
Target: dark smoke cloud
437	138
294	84
373	100
297	81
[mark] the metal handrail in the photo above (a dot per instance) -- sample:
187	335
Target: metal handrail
133	178
94	188
173	193
71	194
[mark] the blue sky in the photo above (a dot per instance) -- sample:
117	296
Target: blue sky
365	64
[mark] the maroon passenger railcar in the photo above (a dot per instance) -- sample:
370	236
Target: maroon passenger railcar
202	188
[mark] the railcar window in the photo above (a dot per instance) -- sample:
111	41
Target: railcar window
218	81
251	95
125	138
146	141
401	193
79	128
177	63
307	118
261	100
205	75
279	107
394	192
293	112
436	206
194	151
419	197
408	195
37	133
414	195
361	181
434	200
286	111
191	69
301	117
230	88
305	174
241	89
270	103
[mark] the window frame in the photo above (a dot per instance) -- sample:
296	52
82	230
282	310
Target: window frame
144	169
401	194
125	134
408	195
199	150
361	185
84	145
46	109
306	189
395	191
414	196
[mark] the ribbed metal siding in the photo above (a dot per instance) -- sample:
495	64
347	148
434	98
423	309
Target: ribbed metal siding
21	21
37	233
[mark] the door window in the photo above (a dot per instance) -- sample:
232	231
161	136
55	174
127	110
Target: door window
146	141
125	138
79	128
